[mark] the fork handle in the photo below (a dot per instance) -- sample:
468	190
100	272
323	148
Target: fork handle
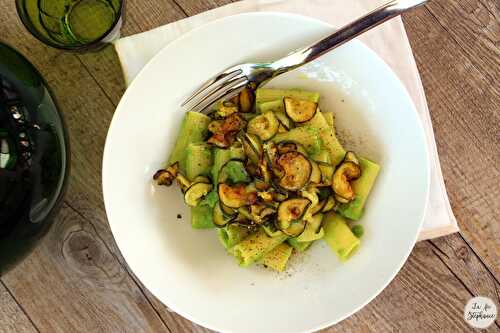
345	34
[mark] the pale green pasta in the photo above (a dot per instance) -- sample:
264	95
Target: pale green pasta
199	160
330	119
193	130
298	246
339	236
201	217
255	246
278	257
328	138
231	235
313	230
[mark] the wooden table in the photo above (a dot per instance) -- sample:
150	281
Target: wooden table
77	281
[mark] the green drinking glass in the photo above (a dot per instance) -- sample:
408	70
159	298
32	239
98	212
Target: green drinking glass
77	25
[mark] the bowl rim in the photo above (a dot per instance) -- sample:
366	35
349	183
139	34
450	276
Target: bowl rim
157	56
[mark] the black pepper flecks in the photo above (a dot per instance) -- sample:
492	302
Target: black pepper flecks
179	216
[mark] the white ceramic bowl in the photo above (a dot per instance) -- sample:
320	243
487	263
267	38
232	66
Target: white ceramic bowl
188	270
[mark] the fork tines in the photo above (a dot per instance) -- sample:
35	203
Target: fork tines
224	85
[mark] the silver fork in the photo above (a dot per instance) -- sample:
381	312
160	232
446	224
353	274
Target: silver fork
230	82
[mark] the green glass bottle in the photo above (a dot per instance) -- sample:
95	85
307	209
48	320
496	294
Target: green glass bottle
34	157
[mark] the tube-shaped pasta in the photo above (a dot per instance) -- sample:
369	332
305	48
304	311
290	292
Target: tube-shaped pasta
255	246
328	137
339	236
278	257
201	217
299	246
232	235
193	129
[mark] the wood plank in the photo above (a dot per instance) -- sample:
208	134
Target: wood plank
466	118
477	34
425	296
139	16
72	282
467	267
12	316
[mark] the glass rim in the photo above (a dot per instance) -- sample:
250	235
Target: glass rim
29	26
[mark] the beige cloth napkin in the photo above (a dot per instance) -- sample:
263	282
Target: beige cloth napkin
389	41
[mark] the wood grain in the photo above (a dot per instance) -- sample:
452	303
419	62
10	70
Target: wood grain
73	283
12	316
76	280
424	297
465	111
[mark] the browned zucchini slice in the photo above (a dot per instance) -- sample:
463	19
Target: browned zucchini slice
340	184
261	213
220	140
255	143
283	119
351	157
196	192
299	111
246	99
340	199
251	146
315	173
245	213
295	228
291	210
227	210
265	196
226	109
271	230
271	154
313	230
265	126
297	170
288	146
279	197
227	132
163	177
282	129
183	182
329	204
167	176
261	185
235	100
235	196
327	171
318	207
215	125
220	219
264	170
